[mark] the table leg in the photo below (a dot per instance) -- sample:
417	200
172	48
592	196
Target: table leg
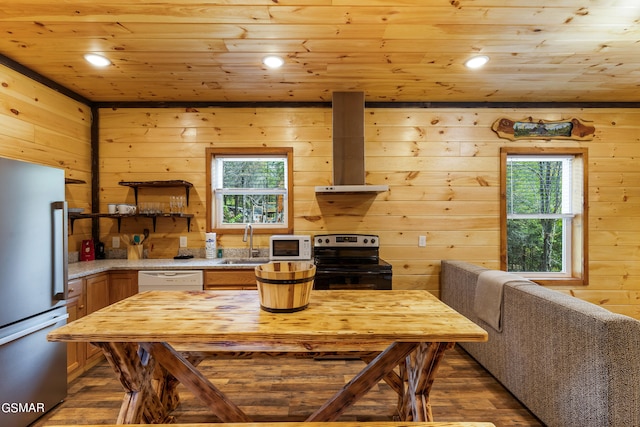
165	386
135	370
393	379
419	370
178	365
376	370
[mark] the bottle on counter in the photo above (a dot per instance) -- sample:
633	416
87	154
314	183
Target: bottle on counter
210	245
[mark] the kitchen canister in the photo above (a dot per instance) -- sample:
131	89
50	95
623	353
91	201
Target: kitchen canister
135	252
210	245
87	253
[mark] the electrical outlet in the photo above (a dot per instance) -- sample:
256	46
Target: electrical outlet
115	242
422	241
183	241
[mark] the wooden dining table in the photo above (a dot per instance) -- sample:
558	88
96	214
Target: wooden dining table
155	340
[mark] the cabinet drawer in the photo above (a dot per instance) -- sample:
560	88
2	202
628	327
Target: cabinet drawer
245	278
76	287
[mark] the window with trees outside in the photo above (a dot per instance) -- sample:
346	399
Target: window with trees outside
250	186
544	214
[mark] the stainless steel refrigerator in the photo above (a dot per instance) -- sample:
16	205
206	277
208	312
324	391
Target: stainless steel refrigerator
33	275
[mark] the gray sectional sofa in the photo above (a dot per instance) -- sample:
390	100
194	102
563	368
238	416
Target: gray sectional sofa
572	363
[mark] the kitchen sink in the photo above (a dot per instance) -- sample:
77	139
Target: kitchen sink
245	261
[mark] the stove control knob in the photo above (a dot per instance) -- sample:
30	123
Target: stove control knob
326	241
366	241
319	241
373	241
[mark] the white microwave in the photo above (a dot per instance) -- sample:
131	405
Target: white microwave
289	247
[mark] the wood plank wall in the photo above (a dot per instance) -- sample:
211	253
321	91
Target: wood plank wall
442	166
40	125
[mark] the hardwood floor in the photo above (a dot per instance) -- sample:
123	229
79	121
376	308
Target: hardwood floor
268	390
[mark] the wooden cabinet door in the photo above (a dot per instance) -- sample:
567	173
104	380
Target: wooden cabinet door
97	291
122	284
76	308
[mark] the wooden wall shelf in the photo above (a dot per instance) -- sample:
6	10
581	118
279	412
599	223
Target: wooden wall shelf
74	216
173	183
74	181
136	185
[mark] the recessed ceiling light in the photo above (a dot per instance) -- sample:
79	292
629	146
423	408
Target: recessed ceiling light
97	60
273	61
477	61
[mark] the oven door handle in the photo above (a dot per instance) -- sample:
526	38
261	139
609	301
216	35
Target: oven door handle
352	272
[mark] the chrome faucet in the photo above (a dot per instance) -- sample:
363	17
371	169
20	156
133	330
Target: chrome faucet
249	230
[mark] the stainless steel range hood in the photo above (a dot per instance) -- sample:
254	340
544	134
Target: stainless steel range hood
348	146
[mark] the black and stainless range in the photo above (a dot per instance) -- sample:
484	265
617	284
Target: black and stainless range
350	261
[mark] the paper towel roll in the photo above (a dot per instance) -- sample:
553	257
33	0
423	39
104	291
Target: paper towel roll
210	245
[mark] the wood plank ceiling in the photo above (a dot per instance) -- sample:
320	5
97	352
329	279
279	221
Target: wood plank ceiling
394	51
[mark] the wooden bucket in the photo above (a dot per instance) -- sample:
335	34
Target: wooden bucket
285	287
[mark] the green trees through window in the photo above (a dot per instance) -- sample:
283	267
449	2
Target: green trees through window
254	189
535	224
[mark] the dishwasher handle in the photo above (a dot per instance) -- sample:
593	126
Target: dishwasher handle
167	273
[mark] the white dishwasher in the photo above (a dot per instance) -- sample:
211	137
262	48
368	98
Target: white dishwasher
170	280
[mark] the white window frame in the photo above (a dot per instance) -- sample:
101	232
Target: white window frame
566	206
574	213
215	191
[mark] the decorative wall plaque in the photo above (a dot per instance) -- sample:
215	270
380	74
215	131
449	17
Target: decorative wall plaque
543	129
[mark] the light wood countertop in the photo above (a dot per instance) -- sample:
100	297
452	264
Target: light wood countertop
87	268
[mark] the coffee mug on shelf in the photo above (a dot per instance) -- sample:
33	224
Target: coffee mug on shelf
125	209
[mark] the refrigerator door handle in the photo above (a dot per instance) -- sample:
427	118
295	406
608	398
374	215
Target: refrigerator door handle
61	290
32	329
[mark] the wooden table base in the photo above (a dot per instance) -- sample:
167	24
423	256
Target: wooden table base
151	372
137	373
418	373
